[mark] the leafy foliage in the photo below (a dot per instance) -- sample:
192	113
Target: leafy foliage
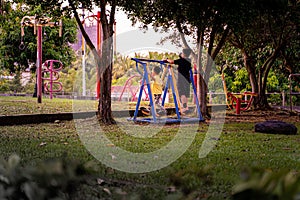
15	84
49	180
241	81
261	184
15	58
191	179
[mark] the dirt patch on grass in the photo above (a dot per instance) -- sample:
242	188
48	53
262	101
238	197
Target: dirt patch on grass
260	116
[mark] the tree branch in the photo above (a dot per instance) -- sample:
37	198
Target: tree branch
212	36
103	18
221	43
85	35
185	44
112	15
83	32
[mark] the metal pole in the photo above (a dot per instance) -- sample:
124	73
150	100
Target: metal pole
39	64
83	68
99	53
51	80
98	32
290	84
83	61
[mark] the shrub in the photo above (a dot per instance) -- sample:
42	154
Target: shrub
4	86
265	184
55	179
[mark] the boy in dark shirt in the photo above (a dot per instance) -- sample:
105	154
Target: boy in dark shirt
183	81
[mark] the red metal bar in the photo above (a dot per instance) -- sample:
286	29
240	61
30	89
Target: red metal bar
98	33
98	47
195	80
51	80
99	53
39	64
238	105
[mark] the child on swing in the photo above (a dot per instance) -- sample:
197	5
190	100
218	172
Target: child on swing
156	84
156	88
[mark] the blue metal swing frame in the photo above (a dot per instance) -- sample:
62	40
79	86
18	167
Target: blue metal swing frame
169	83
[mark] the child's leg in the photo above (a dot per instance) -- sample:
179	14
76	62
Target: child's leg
184	102
157	98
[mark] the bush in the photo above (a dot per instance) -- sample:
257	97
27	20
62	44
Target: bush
189	180
15	84
4	86
53	179
275	99
267	185
29	88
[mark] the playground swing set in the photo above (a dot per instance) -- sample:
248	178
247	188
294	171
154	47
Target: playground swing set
170	83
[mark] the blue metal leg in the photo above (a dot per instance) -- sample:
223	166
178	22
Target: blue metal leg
165	92
150	93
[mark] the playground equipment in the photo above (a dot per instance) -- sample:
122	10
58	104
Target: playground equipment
291	89
99	42
170	83
51	72
235	100
98	48
133	90
127	86
37	23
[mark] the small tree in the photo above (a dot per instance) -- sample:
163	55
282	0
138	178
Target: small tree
265	31
15	84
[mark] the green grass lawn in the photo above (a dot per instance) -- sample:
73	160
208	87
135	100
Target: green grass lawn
237	148
10	105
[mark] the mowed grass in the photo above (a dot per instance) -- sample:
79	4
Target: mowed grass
237	147
11	105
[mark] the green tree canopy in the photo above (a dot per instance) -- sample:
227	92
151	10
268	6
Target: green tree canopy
15	57
265	32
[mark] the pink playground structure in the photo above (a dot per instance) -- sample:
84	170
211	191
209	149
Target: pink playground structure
128	86
38	23
132	91
51	69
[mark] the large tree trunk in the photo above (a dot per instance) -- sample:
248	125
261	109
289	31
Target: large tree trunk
260	101
104	106
259	84
203	90
201	84
103	60
263	75
204	74
250	63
